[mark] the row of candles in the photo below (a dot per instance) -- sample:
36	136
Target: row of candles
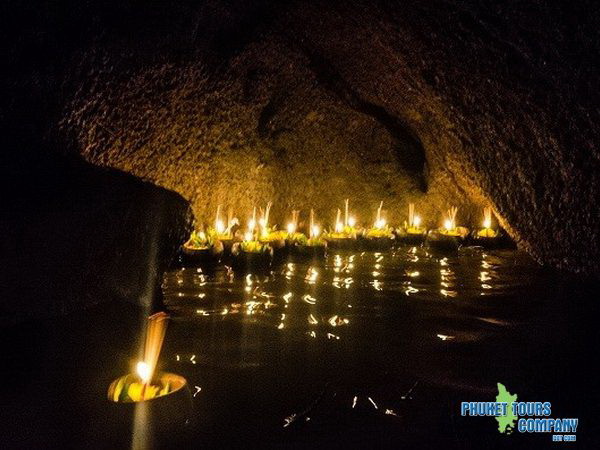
349	221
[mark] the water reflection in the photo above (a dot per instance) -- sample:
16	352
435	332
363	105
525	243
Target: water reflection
348	318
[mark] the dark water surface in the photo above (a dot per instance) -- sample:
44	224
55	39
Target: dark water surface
371	349
360	350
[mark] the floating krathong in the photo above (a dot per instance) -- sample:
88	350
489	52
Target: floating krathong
202	249
275	238
487	236
224	231
144	384
166	396
449	237
252	253
487	231
380	236
294	237
412	233
344	234
450	228
315	245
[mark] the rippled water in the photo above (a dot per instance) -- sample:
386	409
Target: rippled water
367	347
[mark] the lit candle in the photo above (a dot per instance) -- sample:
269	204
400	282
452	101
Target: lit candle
351	221
379	221
339	226
487	217
219	225
252	221
450	222
291	228
314	231
265	223
416	221
248	236
346	211
143	370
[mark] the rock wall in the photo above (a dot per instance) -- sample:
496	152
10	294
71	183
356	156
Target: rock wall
80	236
440	103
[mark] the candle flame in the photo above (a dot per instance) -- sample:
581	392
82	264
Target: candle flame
314	231
248	236
416	221
291	228
450	222
487	217
351	221
379	221
143	370
251	224
220	226
339	227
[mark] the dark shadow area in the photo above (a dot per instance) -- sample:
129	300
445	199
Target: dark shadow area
75	235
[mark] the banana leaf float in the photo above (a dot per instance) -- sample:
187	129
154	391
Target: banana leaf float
378	238
411	235
202	249
490	239
308	249
251	255
447	240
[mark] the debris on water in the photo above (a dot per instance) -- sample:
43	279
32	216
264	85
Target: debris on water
445	337
407	395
